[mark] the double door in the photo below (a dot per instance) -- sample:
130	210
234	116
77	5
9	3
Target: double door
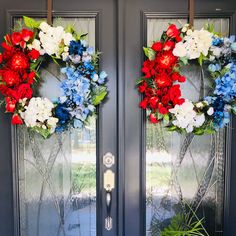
59	186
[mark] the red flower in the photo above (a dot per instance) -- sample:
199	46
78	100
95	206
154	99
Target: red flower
10	104
147	68
175	93
10	77
165	99
169	45
182	79
27	34
24	91
143	104
172	31
166	60
31	77
19	62
142	87
23	44
149	92
34	54
16	38
16	120
153	102
1	58
162	109
163	80
157	46
153	118
178	38
6	46
5	91
175	76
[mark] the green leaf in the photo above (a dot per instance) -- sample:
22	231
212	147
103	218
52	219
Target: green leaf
139	81
200	60
172	128
45	133
149	53
81	36
198	131
99	95
31	23
55	60
184	60
209	131
166	118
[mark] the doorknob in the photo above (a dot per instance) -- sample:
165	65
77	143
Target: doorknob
109	184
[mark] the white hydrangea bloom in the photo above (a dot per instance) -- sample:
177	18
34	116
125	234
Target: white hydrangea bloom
44	26
186	117
193	44
180	50
53	39
38	113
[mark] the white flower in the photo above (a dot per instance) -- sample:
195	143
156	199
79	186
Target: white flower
193	44
210	111
38	113
186	117
44	27
189	32
180	50
53	39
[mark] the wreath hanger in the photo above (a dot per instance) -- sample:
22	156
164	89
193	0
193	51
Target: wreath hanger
191	9
49	11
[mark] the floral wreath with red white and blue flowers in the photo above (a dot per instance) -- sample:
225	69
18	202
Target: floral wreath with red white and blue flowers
160	85
83	88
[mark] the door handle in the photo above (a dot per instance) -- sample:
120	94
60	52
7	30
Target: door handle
109	184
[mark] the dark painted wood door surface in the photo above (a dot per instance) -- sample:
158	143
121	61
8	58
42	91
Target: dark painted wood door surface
122	27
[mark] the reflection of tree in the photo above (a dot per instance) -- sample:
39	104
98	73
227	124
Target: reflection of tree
83	178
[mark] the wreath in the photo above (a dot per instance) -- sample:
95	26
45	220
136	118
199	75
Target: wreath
82	88
163	77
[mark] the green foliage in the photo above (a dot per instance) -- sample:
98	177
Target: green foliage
180	227
149	53
31	23
99	95
95	60
44	132
83	177
140	80
201	59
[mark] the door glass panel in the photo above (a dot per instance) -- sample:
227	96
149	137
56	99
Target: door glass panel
184	169
57	177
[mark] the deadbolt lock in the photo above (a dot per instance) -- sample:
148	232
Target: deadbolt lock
108	160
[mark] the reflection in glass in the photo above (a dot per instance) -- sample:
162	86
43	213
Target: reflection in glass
184	170
57	177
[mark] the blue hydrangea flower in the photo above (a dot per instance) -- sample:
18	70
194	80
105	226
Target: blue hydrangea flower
221	115
217	41
76	48
214	67
226	85
81	83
